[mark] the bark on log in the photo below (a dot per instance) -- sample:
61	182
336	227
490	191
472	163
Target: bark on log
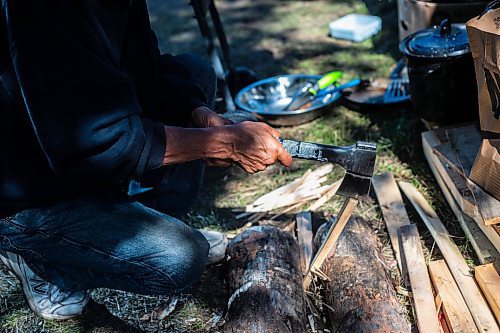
265	283
360	290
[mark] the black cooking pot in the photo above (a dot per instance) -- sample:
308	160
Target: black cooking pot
441	72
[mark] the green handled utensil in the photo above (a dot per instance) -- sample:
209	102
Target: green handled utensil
310	90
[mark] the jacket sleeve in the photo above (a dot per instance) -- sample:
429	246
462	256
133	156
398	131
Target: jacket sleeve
82	107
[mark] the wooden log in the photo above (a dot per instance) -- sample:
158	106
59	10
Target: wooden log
305	238
393	208
456	313
483	318
414	266
265	283
359	291
488	279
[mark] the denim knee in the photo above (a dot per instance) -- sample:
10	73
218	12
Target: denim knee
181	263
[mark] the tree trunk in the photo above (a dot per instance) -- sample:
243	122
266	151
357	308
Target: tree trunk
265	283
360	290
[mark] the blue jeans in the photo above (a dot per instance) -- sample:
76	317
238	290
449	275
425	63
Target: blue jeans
114	240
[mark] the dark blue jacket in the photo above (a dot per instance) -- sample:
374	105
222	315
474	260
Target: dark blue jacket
74	117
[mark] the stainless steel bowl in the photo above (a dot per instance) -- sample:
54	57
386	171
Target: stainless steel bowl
266	99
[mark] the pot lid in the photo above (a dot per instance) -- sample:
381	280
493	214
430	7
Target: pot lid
444	40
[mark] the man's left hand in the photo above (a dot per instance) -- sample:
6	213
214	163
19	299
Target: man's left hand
203	117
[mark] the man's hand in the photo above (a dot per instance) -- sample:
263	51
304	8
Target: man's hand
203	117
255	147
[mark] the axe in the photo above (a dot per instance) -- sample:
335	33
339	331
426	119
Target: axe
359	162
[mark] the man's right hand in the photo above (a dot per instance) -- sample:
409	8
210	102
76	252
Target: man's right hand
255	146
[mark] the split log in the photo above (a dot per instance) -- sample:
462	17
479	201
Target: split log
305	238
265	283
359	291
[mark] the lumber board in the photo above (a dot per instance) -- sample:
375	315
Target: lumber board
305	238
473	197
393	208
464	143
482	315
414	263
489	207
488	279
457	184
331	239
456	313
449	180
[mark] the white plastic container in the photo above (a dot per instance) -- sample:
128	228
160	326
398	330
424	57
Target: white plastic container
355	27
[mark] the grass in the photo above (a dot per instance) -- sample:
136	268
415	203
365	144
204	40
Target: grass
272	38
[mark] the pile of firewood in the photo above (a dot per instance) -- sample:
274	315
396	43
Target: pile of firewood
268	268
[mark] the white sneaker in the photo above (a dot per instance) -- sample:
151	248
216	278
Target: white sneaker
44	298
218	244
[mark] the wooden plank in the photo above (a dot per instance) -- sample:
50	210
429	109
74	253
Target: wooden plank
414	263
465	142
471	194
449	181
483	318
488	279
461	192
331	239
305	238
489	207
456	313
393	208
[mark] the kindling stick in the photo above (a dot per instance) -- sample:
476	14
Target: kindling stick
331	238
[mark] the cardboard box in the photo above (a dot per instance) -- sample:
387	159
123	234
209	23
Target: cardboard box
484	39
486	169
415	15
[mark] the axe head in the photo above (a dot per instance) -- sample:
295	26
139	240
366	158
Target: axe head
358	160
359	165
354	185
